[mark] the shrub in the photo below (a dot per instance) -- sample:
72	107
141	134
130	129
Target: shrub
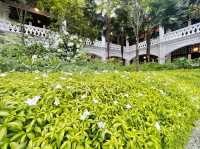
183	62
105	110
69	46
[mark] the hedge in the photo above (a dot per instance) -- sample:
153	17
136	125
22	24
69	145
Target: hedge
110	110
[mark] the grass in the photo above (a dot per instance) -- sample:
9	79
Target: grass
98	110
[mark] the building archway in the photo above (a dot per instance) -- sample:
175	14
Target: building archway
116	59
93	56
143	58
190	52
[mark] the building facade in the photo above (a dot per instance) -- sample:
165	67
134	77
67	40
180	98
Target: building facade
168	46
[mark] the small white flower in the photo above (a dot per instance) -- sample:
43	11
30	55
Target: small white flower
58	86
126	95
57	102
105	71
65	32
68	74
128	106
33	101
34	57
116	71
37	71
62	78
140	95
37	98
68	87
70	44
78	46
45	75
36	78
115	102
157	126
59	50
95	101
84	96
96	72
3	74
194	98
162	93
101	125
85	115
179	114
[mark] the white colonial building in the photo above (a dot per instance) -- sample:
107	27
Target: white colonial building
167	46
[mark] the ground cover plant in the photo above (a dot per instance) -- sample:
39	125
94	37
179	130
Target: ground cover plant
113	110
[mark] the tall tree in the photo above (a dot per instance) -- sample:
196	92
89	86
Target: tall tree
159	12
120	26
107	9
136	19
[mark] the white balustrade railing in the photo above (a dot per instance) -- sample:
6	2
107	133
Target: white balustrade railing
28	29
99	44
41	32
115	46
187	31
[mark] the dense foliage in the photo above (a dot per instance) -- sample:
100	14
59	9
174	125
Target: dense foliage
105	110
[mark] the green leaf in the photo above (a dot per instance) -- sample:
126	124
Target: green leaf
66	145
14	145
3	113
37	129
15	126
60	137
17	136
3	132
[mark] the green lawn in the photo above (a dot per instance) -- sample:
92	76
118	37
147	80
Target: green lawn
114	110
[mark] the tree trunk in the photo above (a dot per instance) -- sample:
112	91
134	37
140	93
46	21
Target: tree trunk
148	40
122	46
137	54
108	36
22	17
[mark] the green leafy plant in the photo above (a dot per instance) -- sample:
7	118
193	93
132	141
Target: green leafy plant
105	110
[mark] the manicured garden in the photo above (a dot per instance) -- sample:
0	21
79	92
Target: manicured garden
112	110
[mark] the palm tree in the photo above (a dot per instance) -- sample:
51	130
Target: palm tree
165	13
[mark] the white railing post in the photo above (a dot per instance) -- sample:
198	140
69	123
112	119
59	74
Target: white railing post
161	32
161	47
127	43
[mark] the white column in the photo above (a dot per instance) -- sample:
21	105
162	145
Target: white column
161	57
103	40
127	62
189	22
127	43
161	60
161	32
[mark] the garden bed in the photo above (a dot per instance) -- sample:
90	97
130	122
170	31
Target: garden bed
98	110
